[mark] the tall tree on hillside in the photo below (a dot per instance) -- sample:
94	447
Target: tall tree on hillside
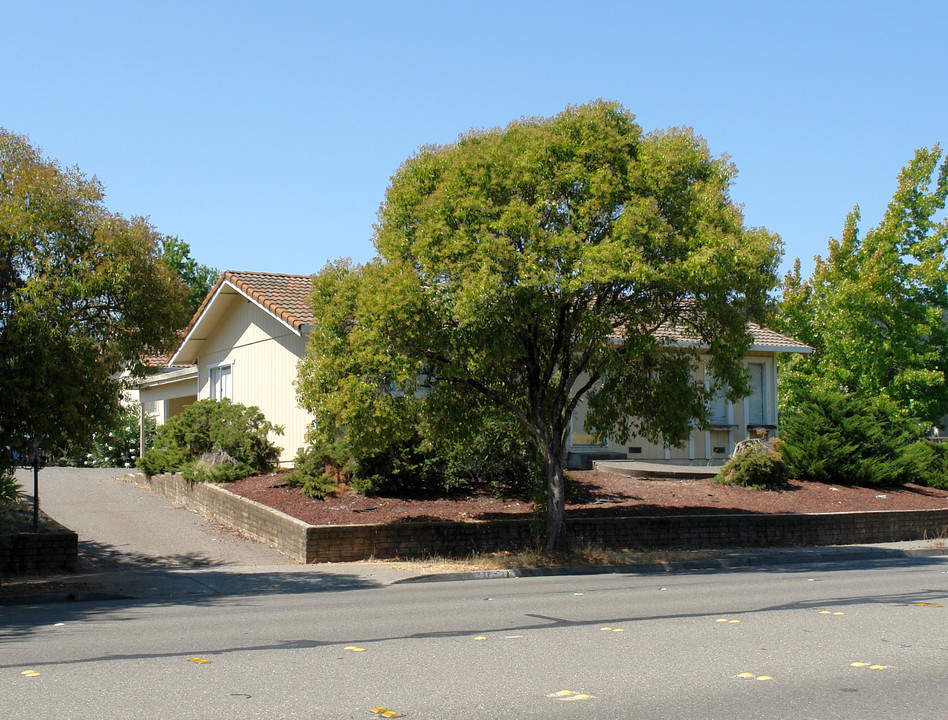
83	294
512	260
198	278
875	308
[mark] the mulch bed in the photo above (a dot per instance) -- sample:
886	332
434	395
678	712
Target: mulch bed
596	494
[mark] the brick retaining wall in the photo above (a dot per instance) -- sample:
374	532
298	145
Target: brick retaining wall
341	543
277	529
43	552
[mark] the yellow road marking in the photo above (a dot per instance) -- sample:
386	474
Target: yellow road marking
568	695
386	713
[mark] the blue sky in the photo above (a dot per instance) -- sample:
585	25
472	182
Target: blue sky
264	133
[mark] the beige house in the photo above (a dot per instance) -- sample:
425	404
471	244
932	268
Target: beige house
729	422
243	343
250	332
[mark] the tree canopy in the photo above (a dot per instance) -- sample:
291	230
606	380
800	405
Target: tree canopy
83	294
527	268
198	278
875	308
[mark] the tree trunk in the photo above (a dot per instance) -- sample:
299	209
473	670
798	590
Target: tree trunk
555	502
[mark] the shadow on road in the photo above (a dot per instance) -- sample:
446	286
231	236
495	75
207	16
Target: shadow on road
98	557
112	596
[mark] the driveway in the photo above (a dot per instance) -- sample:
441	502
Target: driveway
123	525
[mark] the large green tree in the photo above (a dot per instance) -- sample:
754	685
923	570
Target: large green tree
83	294
526	268
875	308
198	278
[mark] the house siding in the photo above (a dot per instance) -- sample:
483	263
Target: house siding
263	353
701	443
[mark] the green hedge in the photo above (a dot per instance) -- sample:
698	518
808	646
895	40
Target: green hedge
213	441
846	439
761	466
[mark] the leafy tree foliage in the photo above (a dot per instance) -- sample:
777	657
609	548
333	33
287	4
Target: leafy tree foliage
83	294
198	278
509	262
875	308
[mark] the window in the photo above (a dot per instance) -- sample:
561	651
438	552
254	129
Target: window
222	385
757	400
579	435
717	408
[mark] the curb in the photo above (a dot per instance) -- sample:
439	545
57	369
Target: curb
740	561
727	561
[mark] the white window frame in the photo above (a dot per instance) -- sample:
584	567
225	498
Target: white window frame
217	388
767	400
728	419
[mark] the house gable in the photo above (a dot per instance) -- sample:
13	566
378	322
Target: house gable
283	297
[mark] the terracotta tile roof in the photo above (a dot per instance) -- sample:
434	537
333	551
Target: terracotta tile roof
286	296
160	360
769	338
762	338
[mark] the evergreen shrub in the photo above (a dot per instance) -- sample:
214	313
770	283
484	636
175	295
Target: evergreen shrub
501	462
929	461
320	469
842	438
760	466
213	441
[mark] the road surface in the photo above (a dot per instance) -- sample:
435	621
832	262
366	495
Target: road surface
854	640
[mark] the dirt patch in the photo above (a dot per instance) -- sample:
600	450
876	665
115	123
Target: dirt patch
597	494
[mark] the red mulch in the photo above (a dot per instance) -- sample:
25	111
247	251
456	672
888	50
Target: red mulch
597	494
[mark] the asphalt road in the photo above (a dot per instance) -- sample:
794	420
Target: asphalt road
856	640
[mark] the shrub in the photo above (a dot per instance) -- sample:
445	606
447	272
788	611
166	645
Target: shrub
319	470
840	438
10	491
215	467
213	440
498	456
408	460
400	469
760	466
927	463
116	445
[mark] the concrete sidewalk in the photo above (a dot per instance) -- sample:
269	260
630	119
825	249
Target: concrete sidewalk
194	584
